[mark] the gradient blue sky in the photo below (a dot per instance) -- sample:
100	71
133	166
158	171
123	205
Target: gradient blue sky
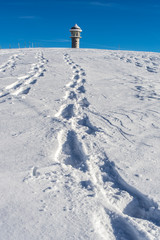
106	24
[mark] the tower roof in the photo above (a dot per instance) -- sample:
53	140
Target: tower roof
76	28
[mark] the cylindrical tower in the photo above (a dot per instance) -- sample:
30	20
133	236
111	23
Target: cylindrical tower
75	35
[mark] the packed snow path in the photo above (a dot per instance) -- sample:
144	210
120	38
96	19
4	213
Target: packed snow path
94	112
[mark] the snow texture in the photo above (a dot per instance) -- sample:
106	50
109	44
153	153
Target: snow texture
79	149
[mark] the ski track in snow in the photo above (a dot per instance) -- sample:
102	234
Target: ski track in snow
131	214
23	85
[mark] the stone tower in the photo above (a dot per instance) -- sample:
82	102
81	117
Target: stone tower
75	35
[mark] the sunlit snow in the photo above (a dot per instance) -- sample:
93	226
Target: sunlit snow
79	144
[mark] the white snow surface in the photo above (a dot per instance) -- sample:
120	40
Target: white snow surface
79	144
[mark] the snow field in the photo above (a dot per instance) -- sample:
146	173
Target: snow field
88	154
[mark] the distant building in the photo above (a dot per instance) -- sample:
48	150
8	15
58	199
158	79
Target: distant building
75	35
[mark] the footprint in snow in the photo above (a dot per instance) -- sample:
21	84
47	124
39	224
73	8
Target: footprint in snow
72	95
86	123
81	89
75	155
68	112
84	102
26	91
138	64
152	70
76	77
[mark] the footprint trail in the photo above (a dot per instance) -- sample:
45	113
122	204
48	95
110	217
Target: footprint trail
120	211
24	83
120	201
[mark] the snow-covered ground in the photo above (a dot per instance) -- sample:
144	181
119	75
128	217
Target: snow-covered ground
79	144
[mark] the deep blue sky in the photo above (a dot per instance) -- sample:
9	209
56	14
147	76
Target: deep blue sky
108	24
